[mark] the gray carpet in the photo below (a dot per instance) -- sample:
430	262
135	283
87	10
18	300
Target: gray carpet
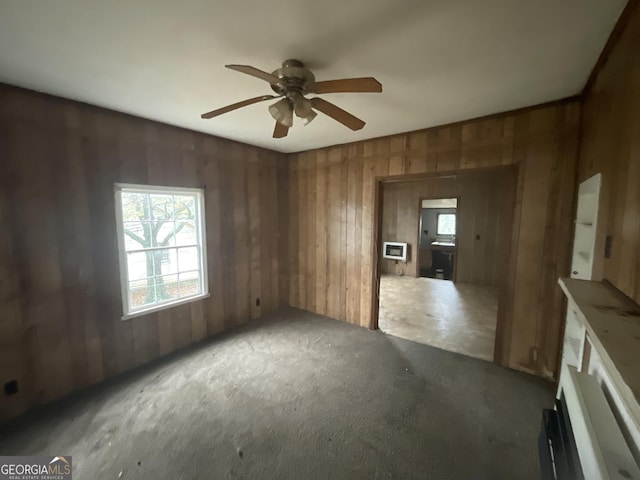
298	396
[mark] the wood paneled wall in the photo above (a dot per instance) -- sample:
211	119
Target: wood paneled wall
60	305
485	206
611	145
332	198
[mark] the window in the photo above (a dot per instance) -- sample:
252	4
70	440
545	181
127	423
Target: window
161	246
446	224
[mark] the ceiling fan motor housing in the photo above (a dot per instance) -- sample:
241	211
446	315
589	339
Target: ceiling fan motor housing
296	79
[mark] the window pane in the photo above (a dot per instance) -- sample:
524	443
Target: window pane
161	242
167	287
136	235
166	261
188	259
184	206
161	207
140	266
142	293
186	233
189	284
135	206
446	224
164	233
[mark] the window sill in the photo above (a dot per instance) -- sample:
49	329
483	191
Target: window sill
164	306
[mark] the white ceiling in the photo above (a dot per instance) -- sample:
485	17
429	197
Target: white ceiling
439	61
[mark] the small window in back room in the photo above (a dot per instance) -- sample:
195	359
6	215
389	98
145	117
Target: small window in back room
161	246
446	224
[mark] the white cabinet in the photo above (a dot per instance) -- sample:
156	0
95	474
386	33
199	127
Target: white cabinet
602	339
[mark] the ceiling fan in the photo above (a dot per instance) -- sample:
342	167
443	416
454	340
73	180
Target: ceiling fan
291	83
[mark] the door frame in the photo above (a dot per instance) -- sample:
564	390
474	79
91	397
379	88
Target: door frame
455	250
505	291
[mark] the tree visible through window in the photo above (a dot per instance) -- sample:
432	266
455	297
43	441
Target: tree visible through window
446	224
161	246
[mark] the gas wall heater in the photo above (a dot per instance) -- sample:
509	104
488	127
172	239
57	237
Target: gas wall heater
395	251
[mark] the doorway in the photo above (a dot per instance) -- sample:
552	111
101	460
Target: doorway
437	238
457	230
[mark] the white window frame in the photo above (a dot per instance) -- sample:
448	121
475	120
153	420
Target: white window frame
128	312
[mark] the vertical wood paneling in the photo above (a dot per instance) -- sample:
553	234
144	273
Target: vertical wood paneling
241	290
60	306
292	254
265	244
354	234
320	234
310	230
214	305
610	145
542	144
279	264
334	265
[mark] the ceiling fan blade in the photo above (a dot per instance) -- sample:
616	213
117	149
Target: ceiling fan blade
255	72
280	130
355	85
244	103
338	114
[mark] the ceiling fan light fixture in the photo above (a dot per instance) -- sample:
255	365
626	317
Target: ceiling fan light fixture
309	118
301	106
303	110
282	111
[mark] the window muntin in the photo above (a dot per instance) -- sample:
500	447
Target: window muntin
161	246
446	224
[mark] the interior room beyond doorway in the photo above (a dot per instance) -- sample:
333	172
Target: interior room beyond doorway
445	290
